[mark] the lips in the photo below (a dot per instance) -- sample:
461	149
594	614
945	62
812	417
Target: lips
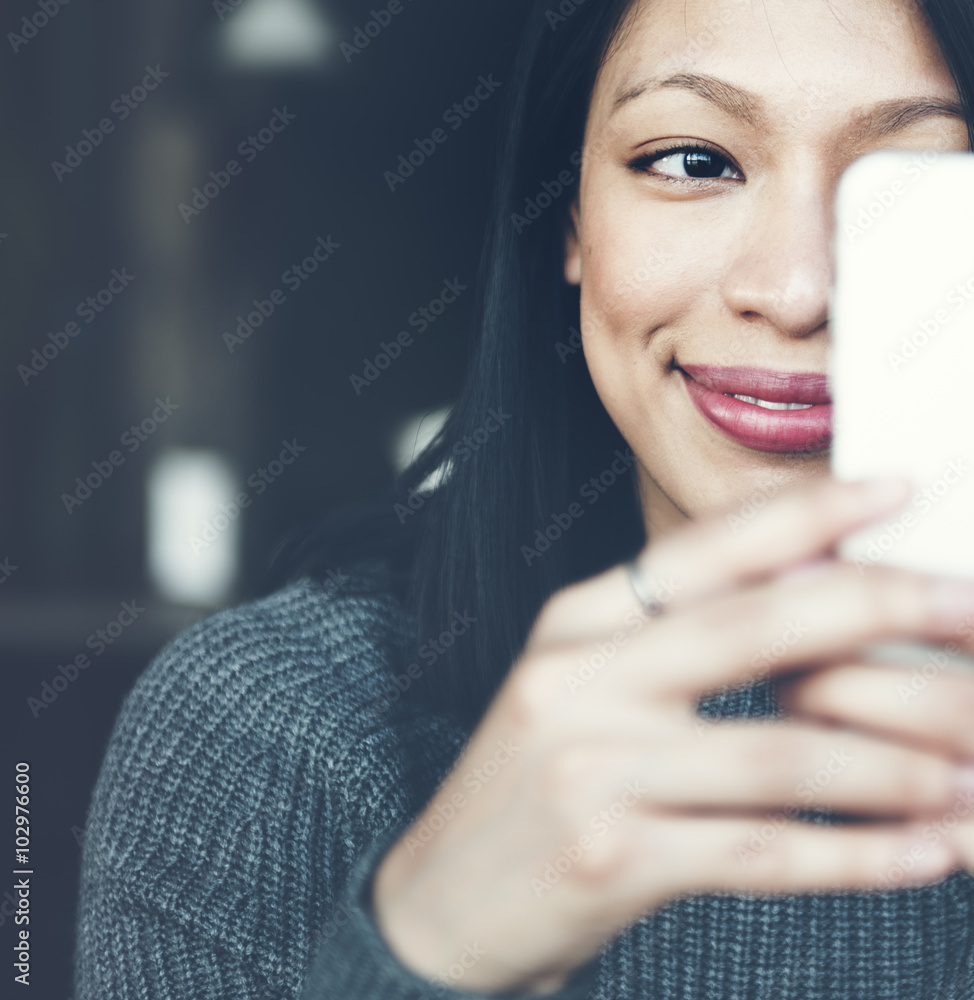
777	430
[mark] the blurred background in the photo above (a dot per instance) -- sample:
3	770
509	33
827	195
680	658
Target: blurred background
214	216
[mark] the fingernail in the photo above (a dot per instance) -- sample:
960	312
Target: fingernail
923	857
951	601
885	490
813	567
934	859
965	782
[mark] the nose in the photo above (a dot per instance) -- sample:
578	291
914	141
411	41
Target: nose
783	270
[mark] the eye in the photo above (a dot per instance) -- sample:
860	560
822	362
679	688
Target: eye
687	163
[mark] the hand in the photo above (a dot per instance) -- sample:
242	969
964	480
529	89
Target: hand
927	704
604	801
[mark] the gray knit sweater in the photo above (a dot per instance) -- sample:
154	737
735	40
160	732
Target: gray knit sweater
256	776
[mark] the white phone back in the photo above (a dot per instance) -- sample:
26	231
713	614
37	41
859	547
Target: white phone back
902	369
902	358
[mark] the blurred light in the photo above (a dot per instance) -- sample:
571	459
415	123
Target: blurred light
276	34
193	527
410	439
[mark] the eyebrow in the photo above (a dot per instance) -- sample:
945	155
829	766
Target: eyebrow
878	120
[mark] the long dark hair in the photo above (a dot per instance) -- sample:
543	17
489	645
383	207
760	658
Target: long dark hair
544	501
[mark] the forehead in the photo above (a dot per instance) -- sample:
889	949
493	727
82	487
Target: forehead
855	52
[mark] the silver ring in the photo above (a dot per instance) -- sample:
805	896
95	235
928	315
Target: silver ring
644	589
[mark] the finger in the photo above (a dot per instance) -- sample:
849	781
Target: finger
957	828
712	555
751	765
772	628
803	524
747	764
726	855
929	705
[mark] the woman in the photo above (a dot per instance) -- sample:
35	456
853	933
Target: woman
470	749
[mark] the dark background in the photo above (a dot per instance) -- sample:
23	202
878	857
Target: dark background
65	575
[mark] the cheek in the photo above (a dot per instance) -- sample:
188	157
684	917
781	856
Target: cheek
647	265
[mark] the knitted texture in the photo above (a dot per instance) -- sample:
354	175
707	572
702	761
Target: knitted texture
255	777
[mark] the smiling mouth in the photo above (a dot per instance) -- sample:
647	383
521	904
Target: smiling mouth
762	409
767	404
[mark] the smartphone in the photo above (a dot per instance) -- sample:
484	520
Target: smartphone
901	366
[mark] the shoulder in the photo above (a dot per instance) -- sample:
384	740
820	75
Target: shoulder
263	710
250	767
310	644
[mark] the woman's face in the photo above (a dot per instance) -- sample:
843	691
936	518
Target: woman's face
694	264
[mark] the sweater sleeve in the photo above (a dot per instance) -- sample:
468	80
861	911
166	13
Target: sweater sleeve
354	961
